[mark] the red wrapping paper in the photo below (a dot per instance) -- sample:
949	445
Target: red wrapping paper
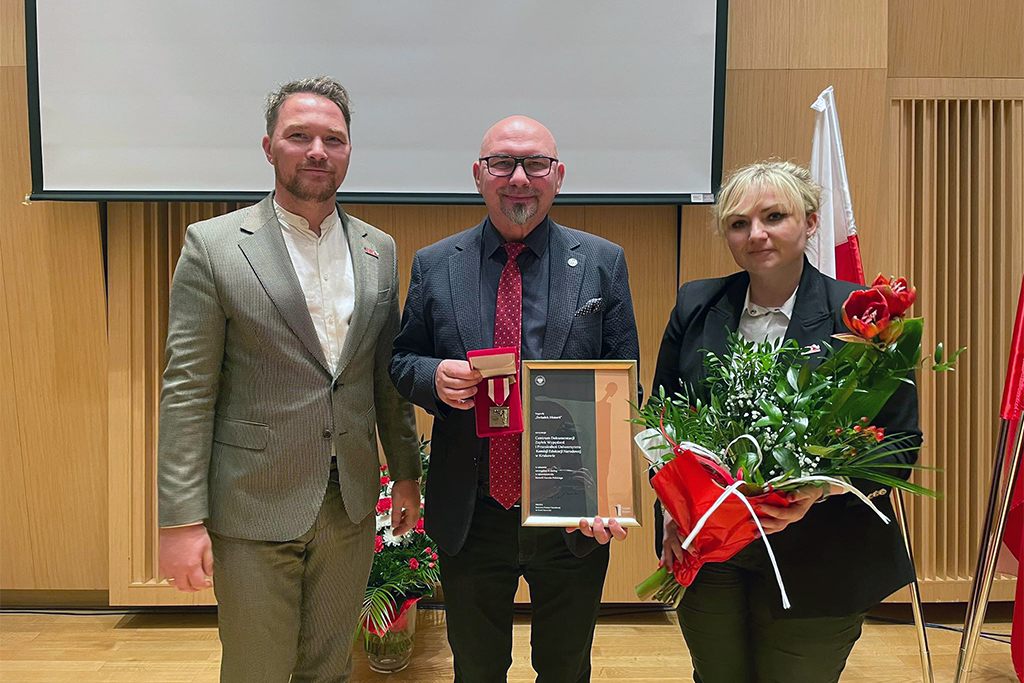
687	490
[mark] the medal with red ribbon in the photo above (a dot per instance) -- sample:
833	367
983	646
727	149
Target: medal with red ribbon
498	391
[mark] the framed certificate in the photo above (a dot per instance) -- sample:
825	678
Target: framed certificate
579	457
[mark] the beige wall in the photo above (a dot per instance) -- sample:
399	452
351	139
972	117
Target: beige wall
54	383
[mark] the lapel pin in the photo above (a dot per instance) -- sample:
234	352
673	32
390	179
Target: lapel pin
370	252
573	262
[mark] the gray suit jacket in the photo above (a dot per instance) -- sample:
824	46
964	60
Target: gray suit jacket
249	408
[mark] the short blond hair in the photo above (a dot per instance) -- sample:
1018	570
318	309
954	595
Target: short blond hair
791	182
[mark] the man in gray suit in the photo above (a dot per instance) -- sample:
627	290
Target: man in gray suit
278	343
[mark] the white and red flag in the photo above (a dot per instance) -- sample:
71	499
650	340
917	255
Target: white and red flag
834	249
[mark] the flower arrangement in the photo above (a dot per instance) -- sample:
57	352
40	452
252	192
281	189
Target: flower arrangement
773	419
405	569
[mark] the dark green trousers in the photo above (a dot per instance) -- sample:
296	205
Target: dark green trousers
726	618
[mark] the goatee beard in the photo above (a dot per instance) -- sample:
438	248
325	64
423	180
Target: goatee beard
520	212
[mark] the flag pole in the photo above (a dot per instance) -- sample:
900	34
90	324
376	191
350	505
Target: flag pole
991	537
927	673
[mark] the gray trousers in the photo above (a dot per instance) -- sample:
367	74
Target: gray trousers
291	608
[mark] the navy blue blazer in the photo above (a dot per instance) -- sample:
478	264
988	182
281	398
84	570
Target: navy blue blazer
841	558
441	320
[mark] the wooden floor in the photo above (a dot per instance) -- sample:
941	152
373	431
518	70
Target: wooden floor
634	647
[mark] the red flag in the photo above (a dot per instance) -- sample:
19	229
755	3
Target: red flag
1013	535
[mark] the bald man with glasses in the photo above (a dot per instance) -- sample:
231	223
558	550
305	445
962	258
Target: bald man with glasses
516	279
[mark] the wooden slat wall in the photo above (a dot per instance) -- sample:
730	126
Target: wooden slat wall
144	241
955	212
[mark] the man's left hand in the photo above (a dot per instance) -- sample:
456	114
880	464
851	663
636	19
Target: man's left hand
599	530
405	505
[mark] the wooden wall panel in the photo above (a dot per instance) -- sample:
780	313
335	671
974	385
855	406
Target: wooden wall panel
12	33
807	34
953	38
53	487
702	252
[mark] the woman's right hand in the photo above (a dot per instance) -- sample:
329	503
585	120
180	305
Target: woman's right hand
671	542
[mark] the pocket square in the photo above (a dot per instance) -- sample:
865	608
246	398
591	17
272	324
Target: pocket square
595	305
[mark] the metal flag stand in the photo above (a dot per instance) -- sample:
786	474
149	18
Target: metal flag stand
999	499
927	674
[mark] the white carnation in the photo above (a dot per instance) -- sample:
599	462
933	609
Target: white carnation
392	540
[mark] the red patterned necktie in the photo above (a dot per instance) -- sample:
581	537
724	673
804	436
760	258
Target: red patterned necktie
506	459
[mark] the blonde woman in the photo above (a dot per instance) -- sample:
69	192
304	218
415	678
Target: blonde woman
837	558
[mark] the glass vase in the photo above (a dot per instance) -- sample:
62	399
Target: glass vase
391	652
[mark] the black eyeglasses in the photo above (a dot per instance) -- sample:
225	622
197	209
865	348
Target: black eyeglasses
502	165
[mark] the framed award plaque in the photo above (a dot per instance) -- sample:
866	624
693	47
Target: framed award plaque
579	457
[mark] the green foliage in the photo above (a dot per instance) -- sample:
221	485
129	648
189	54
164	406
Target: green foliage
806	417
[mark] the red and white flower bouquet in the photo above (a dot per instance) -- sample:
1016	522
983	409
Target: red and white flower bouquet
770	418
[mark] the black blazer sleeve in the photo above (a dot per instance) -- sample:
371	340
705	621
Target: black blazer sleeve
413	361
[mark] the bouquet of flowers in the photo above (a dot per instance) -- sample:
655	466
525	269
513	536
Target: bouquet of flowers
405	569
773	420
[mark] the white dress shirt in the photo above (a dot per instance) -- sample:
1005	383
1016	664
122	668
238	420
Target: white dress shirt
324	267
759	324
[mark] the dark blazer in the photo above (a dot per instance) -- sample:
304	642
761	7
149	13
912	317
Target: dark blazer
442	320
840	559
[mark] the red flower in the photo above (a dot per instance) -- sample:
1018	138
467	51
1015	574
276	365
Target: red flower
385	480
383	468
866	313
427	550
419	527
378	544
433	556
431	565
897	292
856	428
414	564
383	505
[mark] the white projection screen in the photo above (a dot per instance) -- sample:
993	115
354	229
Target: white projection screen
138	100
